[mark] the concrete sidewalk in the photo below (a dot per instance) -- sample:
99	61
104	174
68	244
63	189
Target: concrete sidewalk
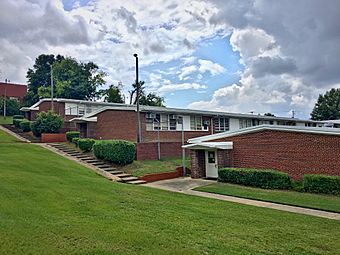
185	186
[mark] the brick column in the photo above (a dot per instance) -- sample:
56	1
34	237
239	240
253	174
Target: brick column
197	163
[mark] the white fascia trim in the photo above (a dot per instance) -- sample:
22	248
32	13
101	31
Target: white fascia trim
210	145
310	130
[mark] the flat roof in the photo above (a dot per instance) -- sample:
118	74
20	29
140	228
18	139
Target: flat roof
309	130
179	111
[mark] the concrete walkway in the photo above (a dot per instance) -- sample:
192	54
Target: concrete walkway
185	186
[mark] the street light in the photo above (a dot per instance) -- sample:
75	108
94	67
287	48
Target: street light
180	120
52	88
139	132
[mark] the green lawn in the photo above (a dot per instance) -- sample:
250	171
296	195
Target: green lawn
51	205
5	138
143	167
316	201
8	120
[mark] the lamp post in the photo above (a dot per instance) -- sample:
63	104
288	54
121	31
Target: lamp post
180	120
139	131
5	99
158	140
52	88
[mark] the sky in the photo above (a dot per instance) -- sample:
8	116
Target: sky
228	55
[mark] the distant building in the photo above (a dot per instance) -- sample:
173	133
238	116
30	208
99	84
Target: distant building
13	91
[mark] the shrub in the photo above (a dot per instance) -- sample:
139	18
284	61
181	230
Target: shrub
86	144
16	122
318	183
25	125
75	140
46	122
18	117
72	134
12	106
267	179
117	151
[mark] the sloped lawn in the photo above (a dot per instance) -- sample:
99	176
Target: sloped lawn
7	120
50	205
308	200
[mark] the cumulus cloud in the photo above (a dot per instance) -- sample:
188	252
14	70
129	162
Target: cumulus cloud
209	66
180	86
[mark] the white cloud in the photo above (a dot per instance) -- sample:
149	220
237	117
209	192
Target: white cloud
167	88
211	67
187	70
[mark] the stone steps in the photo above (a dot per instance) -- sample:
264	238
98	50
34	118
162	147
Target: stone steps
123	177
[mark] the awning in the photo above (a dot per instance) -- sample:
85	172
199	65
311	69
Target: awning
209	145
84	120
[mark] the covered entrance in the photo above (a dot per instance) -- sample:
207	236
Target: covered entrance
208	157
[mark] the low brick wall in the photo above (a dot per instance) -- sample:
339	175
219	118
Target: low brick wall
163	176
149	151
53	138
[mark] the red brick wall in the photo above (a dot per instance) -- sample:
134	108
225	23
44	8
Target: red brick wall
53	138
13	90
117	125
291	152
197	163
149	151
163	176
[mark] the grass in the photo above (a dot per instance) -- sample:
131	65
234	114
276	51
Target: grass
143	167
51	205
315	201
5	138
8	120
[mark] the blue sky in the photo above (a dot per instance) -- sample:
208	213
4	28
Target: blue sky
261	55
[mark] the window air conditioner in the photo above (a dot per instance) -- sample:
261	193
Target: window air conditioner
150	115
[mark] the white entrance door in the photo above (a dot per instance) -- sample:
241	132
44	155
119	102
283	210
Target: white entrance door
211	164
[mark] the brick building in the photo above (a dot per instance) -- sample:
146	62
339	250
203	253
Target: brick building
294	150
161	127
13	91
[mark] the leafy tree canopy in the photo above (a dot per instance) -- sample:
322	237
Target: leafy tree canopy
150	99
327	106
72	79
112	94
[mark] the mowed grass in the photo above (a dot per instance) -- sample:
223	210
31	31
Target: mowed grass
143	167
51	205
7	120
5	138
315	201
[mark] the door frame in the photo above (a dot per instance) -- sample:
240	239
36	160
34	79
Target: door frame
208	167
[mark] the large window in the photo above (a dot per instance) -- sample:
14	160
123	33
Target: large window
196	122
221	124
162	122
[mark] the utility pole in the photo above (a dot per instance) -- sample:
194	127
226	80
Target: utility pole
5	99
139	131
293	114
52	88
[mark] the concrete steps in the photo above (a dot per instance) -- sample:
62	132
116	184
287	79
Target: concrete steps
102	165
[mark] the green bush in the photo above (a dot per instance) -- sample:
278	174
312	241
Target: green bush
25	125
17	122
267	179
86	144
317	183
72	134
75	140
46	122
18	117
117	151
12	106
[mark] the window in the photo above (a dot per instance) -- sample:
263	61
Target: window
157	122
244	123
196	122
173	124
221	124
164	122
81	110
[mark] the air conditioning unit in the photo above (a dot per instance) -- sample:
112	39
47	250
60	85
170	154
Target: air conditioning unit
150	115
172	116
206	123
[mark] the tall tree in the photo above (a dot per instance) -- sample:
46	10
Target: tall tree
40	76
112	95
328	106
150	99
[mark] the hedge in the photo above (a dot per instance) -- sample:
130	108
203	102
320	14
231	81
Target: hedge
46	122
25	125
267	179
18	117
75	140
16	122
85	144
317	183
72	134
117	151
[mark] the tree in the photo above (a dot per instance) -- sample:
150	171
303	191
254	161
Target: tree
113	95
12	106
39	76
327	106
150	99
269	114
72	79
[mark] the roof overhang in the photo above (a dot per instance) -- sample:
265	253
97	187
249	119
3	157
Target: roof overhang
28	109
83	120
209	145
